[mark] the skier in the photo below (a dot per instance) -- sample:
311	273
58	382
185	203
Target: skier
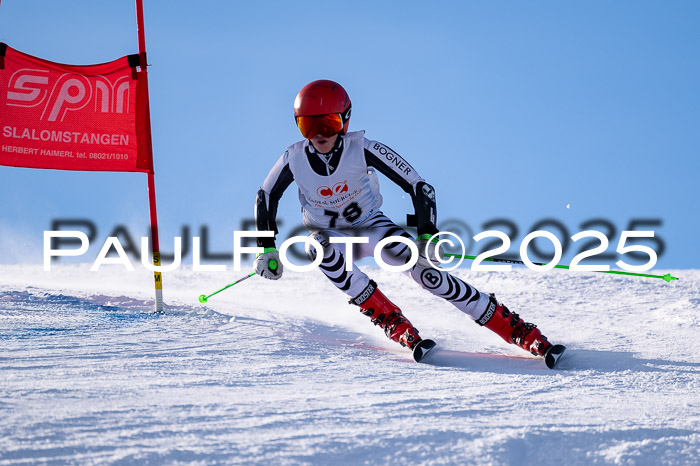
335	171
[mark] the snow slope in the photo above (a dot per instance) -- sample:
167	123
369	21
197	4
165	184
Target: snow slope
288	373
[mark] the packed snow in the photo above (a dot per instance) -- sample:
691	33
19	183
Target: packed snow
288	372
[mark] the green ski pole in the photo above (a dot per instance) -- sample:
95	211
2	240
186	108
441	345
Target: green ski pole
666	277
204	298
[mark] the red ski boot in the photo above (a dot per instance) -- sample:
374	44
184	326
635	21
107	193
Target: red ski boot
509	326
387	315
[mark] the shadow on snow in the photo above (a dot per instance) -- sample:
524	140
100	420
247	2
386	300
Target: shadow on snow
573	360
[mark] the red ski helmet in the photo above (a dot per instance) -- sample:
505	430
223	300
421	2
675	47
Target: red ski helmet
322	107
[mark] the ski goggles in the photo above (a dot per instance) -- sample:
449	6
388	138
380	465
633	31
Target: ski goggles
325	125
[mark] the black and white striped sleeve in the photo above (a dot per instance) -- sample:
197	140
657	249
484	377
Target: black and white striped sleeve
393	166
276	182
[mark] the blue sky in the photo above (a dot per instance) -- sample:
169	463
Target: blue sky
512	110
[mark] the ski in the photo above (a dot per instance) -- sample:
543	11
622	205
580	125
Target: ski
553	354
422	348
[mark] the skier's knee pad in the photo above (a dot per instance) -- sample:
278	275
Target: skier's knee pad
322	239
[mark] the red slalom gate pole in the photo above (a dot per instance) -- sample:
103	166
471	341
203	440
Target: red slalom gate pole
158	279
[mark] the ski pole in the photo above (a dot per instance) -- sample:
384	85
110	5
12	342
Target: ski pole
204	298
666	277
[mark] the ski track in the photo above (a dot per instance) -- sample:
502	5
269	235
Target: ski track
289	373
